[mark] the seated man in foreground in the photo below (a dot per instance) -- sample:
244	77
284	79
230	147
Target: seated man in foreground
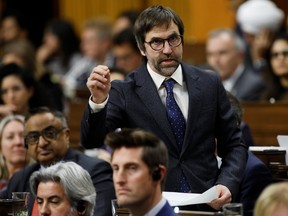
64	188
139	162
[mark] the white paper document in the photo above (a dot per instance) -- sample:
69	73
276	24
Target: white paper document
283	142
266	148
181	199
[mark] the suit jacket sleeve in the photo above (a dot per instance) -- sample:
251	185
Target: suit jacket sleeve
102	180
92	133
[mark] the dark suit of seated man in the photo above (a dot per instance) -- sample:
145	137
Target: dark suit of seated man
47	138
256	175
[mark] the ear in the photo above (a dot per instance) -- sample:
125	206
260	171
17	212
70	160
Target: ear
67	135
159	173
163	171
142	51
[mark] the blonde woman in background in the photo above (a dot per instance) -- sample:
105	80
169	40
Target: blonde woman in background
273	201
13	154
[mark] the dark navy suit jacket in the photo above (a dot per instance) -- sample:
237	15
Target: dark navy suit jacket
249	86
100	171
167	210
135	103
256	177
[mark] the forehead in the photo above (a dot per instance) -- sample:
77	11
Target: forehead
278	44
40	121
50	189
125	155
12	78
220	41
162	31
11	124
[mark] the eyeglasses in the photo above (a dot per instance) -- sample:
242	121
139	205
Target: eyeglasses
158	44
276	54
49	133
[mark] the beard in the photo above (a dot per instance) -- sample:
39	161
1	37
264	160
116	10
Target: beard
166	66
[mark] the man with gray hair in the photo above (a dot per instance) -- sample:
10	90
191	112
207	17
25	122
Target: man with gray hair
64	188
225	54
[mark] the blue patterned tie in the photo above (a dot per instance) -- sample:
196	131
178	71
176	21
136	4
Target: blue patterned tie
178	125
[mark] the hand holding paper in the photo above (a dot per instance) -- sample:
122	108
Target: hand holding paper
181	199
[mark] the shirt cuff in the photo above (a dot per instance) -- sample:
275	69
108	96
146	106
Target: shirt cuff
97	107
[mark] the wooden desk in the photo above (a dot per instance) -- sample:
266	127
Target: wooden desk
198	213
125	212
271	156
6	207
266	121
275	161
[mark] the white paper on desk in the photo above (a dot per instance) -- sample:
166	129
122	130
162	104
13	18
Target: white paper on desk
181	199
266	148
283	142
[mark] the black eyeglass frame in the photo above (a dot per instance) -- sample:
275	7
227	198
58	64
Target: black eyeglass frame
163	42
44	134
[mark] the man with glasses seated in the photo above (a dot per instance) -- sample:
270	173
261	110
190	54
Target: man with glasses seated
46	136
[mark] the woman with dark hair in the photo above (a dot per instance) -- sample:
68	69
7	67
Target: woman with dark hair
22	53
276	75
20	91
60	48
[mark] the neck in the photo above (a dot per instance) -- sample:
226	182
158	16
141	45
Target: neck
145	206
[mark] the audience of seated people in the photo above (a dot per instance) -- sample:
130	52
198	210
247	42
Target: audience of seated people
64	189
225	54
96	42
60	48
13	155
22	53
13	28
273	201
259	21
276	74
125	49
124	20
46	136
20	91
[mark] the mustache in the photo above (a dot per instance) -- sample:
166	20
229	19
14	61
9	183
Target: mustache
168	59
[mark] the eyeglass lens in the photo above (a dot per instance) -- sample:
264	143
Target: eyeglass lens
49	133
159	43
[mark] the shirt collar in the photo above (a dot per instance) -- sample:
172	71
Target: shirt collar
157	208
230	82
159	79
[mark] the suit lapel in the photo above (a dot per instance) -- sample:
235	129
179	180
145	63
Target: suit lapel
149	95
147	92
194	88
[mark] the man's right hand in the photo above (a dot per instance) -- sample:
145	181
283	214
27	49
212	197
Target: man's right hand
99	83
